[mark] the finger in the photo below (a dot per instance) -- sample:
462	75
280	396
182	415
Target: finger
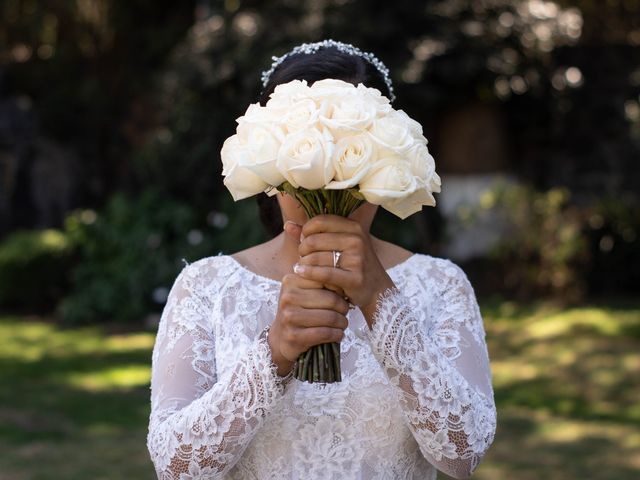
337	290
328	242
328	275
293	230
316	317
318	335
316	299
330	223
292	281
321	259
325	259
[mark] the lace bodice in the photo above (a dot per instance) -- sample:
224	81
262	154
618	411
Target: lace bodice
416	394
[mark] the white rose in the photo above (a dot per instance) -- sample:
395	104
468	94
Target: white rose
256	113
240	181
330	89
423	166
392	185
263	116
301	115
411	204
291	88
304	159
392	135
375	96
422	163
352	158
347	115
261	144
434	183
414	127
389	180
285	94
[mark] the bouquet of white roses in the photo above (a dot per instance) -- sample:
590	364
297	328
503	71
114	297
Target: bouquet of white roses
331	145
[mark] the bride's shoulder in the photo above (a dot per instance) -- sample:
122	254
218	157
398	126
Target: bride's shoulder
208	269
439	269
426	267
419	264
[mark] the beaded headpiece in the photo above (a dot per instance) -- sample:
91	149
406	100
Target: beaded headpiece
308	48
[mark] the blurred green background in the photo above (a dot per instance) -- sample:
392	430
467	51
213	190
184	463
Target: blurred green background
112	116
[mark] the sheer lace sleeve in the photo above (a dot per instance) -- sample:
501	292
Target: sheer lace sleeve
436	358
201	424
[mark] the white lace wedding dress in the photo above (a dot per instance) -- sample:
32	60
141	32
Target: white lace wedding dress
416	394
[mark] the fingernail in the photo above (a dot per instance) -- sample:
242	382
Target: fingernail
290	222
301	237
298	269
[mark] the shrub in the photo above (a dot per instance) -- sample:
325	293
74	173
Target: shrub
34	269
614	244
129	256
118	264
544	248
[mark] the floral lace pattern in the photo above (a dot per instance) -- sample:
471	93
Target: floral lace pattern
416	394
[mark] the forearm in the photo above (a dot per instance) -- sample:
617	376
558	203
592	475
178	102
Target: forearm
452	420
369	310
211	433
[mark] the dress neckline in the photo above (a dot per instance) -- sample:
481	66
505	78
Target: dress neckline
278	282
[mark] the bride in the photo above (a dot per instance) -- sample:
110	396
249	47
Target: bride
415	395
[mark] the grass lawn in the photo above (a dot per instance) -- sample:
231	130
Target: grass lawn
74	403
567	385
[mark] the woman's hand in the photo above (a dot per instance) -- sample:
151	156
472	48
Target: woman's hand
359	272
307	315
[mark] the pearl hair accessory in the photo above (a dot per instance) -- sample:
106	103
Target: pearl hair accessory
309	48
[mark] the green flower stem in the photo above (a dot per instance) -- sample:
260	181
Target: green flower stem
330	364
299	365
325	356
306	205
321	363
316	361
305	364
336	357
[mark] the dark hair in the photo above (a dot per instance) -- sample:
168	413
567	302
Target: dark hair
327	62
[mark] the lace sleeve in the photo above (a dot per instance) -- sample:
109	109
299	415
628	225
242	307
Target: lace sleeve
201	424
439	365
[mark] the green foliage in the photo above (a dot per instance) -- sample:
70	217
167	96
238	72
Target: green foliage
238	224
34	268
117	264
543	249
555	245
130	254
614	241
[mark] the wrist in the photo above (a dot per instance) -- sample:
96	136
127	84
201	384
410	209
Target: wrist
283	366
369	310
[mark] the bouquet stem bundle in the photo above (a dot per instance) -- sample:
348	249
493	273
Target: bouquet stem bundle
321	201
321	363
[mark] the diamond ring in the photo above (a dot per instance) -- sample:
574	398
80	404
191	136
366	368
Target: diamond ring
336	258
